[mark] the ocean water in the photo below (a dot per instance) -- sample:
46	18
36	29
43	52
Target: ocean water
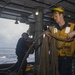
9	56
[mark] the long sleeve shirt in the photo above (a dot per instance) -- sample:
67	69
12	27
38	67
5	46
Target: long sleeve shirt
21	47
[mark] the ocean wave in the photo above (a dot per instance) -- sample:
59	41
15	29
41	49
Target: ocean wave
9	56
2	57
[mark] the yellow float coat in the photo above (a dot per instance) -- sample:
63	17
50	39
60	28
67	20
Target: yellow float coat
69	47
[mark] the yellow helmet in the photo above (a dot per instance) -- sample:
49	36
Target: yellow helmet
56	10
59	9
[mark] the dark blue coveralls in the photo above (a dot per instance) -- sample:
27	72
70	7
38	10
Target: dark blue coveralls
21	49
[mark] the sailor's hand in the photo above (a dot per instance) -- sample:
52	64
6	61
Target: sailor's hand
47	33
71	34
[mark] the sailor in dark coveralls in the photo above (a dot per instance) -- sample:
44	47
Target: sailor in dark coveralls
21	49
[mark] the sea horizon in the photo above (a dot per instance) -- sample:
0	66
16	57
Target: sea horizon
9	56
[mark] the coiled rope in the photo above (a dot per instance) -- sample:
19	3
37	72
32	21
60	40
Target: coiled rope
47	70
44	66
49	65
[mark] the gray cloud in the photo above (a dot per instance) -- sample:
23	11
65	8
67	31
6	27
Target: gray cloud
10	32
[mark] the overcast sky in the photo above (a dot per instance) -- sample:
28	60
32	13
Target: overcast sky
10	32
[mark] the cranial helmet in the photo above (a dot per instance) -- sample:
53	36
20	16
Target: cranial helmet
24	34
56	10
59	9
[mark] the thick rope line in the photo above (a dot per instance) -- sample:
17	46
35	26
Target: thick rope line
60	39
55	57
47	56
44	58
48	66
52	58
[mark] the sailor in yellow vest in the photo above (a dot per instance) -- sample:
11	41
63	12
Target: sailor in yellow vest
62	29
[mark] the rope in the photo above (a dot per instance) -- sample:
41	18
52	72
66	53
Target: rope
44	66
60	39
8	69
47	67
54	58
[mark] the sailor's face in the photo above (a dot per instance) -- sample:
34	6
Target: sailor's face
57	17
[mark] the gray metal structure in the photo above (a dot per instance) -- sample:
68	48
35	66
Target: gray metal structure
23	10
